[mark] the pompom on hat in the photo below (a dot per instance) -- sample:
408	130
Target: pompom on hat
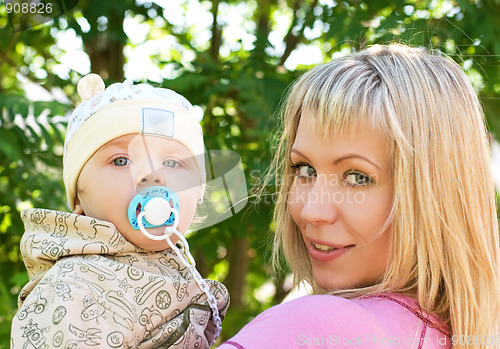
123	108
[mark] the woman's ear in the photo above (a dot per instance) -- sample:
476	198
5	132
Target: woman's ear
78	208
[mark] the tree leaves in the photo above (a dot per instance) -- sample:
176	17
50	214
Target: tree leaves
28	161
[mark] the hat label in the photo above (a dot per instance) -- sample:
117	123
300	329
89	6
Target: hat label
157	122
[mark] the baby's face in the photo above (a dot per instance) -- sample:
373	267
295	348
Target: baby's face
128	164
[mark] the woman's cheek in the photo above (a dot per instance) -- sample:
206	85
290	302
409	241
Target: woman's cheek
295	202
367	214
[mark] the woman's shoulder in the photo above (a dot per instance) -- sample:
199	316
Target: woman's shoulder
391	313
403	306
378	321
376	307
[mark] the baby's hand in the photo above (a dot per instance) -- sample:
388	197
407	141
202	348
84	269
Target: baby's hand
78	209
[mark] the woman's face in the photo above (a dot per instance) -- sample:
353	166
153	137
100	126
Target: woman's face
340	199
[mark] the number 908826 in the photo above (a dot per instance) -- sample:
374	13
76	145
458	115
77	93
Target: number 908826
28	7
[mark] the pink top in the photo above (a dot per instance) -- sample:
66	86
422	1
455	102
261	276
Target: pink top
380	321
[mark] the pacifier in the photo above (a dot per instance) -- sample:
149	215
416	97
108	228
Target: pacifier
154	207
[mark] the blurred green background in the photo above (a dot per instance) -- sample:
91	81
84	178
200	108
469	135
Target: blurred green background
233	58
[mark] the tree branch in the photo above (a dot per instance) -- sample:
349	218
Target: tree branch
292	40
216	32
262	17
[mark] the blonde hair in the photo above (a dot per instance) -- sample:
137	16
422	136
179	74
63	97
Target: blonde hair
444	231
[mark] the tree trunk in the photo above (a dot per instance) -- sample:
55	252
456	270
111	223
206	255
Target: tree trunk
106	50
238	267
216	32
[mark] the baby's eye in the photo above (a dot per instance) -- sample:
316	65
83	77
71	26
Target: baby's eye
356	179
303	170
121	161
170	163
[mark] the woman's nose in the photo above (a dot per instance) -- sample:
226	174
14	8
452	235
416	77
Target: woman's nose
320	206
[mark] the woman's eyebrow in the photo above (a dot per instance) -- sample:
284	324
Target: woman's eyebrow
355	156
298	152
342	158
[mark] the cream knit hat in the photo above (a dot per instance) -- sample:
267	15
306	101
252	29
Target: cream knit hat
122	109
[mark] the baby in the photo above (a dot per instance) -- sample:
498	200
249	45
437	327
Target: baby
109	274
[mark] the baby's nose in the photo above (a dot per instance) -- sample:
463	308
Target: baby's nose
154	178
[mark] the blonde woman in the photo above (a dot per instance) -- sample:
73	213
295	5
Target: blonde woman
386	207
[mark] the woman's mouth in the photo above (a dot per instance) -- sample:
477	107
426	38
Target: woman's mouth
324	248
326	253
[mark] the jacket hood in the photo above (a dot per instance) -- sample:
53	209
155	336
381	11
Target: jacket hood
51	235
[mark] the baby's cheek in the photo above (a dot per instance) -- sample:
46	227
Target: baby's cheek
182	180
188	202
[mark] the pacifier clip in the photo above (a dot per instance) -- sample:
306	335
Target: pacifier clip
157	206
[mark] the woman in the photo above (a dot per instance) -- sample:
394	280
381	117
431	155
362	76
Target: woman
386	207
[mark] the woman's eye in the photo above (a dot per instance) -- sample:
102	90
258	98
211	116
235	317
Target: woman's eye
121	161
303	170
170	163
356	179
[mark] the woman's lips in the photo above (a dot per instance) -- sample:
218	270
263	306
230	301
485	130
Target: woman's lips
326	253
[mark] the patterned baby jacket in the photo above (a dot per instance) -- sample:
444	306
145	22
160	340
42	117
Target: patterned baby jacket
90	288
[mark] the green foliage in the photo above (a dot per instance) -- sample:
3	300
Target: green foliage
31	141
239	86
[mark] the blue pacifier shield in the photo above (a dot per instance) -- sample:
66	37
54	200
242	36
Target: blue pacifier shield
143	197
